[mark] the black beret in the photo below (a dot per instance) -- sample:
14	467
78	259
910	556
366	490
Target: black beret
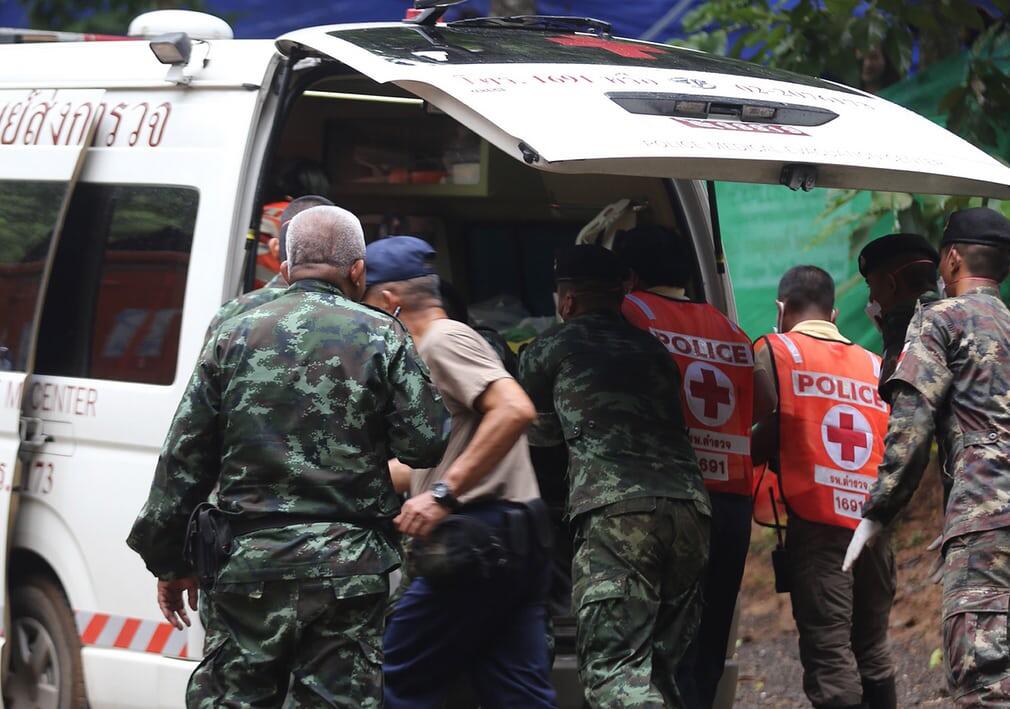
588	263
881	251
977	225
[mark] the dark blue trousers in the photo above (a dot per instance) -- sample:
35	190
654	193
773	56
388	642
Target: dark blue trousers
701	667
493	630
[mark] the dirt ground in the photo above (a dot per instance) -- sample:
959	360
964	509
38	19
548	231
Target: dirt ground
770	671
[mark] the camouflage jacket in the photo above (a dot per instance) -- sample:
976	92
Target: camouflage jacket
273	289
953	378
611	392
295	408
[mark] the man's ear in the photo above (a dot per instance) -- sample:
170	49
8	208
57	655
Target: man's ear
390	300
274	247
566	304
834	314
954	259
285	271
357	274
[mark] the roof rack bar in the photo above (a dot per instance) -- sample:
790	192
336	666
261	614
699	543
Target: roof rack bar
18	35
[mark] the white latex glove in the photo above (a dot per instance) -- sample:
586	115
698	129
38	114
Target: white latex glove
936	571
866	532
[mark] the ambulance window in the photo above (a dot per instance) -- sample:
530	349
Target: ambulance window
114	305
28	211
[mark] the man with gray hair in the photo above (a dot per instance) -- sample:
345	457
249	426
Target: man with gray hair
481	535
276	285
293	411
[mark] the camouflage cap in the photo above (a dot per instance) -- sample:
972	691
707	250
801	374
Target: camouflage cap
977	225
588	262
880	252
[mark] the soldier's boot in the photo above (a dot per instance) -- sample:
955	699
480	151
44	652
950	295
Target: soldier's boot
880	694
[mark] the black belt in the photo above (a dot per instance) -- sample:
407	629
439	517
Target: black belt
241	524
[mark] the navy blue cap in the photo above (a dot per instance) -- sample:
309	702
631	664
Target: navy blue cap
398	258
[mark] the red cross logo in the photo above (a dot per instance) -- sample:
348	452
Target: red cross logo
847	437
628	50
709	393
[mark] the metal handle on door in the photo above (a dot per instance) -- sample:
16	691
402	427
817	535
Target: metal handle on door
35	437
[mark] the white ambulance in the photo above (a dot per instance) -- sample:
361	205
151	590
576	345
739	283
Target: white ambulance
132	177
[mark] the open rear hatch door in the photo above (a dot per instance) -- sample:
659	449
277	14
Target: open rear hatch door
584	102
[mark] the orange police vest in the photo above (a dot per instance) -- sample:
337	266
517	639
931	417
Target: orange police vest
716	363
832	423
270	226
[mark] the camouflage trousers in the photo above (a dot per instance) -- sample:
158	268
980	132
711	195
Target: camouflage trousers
976	602
317	643
636	590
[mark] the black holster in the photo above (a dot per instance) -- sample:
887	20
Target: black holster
528	530
208	543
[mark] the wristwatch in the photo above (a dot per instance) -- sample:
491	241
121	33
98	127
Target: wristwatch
443	496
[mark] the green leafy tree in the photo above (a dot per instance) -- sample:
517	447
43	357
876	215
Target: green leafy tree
97	16
826	37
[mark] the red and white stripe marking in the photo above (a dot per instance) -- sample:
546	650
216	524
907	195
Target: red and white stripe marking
114	631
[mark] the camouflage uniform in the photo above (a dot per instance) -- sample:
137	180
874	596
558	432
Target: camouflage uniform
636	499
294	409
953	379
272	289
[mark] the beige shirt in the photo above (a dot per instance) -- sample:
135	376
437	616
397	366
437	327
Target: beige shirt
671	292
463	365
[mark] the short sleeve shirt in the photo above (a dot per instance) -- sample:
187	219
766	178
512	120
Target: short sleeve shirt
463	365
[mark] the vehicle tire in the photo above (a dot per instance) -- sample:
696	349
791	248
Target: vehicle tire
45	651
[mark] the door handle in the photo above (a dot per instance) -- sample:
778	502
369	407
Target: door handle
31	433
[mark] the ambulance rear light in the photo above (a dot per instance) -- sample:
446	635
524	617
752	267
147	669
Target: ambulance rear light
758	113
173	49
694	109
720	108
429	12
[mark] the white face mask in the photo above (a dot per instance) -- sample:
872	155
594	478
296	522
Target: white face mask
778	322
941	286
874	313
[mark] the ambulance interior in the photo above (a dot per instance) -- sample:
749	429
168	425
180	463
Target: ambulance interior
406	168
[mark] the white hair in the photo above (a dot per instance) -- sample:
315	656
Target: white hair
325	235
